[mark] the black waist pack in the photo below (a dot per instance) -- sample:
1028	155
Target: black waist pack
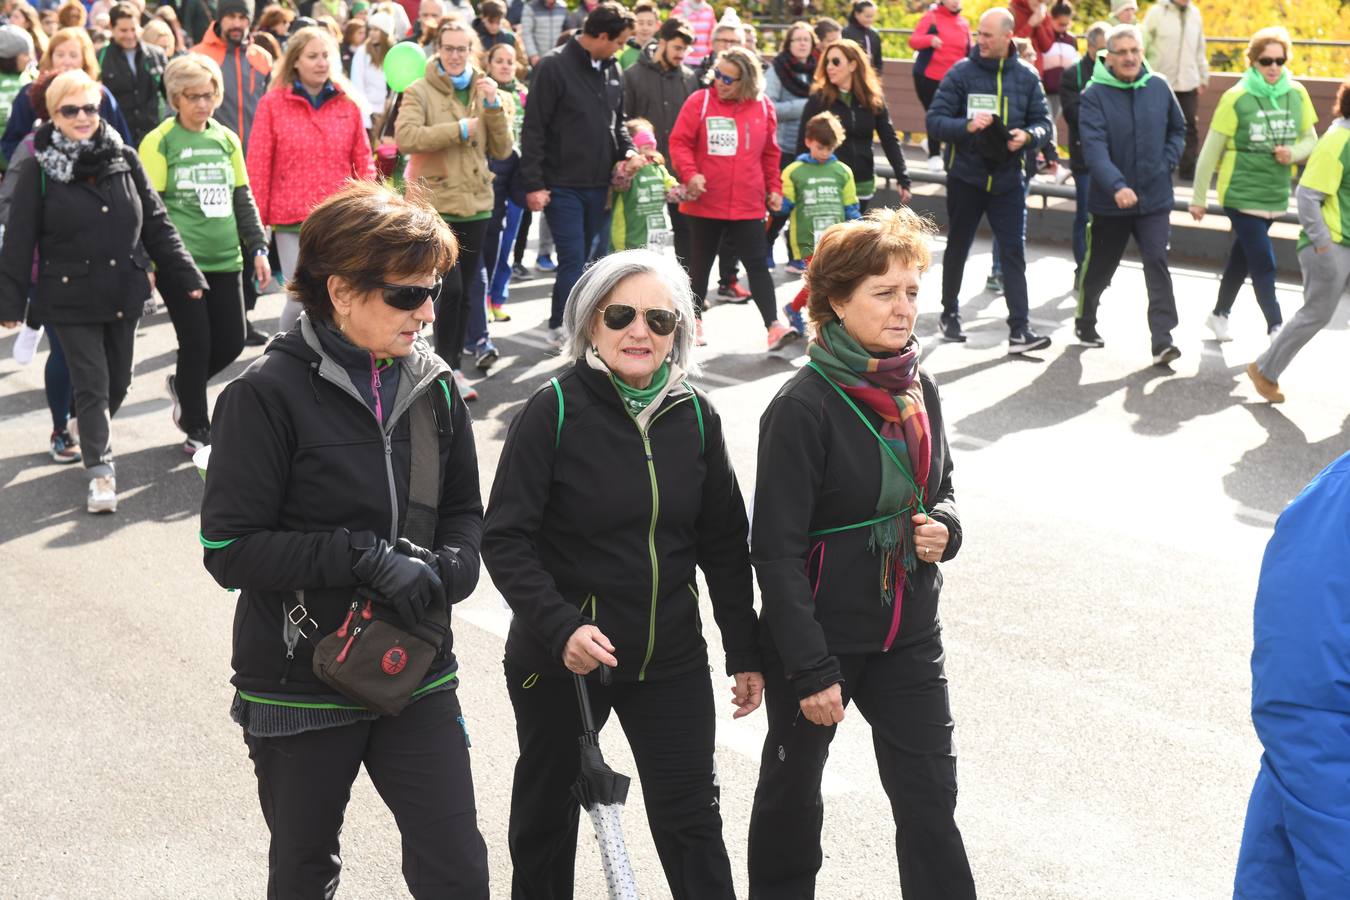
372	659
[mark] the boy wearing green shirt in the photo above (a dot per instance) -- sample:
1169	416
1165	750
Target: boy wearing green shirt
818	190
640	217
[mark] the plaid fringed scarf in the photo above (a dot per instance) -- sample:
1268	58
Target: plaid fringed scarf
889	387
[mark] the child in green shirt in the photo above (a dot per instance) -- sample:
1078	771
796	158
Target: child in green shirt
639	202
818	190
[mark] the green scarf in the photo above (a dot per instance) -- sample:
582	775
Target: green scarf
1102	75
635	400
1256	85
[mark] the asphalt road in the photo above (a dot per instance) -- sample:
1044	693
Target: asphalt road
1098	620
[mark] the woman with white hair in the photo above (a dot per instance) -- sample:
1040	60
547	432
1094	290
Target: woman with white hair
613	485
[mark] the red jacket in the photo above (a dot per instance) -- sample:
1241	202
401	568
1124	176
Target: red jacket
1042	35
298	155
954	31
741	171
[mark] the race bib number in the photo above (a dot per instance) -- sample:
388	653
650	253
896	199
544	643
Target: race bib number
819	225
214	200
981	103
723	136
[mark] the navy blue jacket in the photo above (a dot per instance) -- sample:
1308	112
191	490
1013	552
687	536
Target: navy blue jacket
1021	104
1131	138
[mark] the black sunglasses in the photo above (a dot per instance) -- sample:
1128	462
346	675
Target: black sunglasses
619	316
409	297
1272	61
70	112
833	61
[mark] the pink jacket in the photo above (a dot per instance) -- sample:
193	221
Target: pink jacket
701	21
732	146
954	31
298	155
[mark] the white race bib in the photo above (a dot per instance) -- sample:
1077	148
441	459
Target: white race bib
215	201
723	136
981	103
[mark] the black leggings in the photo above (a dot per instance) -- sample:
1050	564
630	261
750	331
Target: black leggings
745	237
452	310
210	336
419	764
522	235
671	727
926	88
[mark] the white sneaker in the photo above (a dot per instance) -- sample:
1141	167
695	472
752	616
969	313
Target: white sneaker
1274	332
102	494
555	338
26	344
1219	325
935	164
1064	174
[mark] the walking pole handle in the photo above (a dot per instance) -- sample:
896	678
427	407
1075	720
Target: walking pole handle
584	704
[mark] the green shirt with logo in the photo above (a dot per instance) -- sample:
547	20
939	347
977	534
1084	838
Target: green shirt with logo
1328	172
640	218
10	86
820	194
1249	176
196	174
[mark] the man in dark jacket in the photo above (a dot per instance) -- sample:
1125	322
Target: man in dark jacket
133	71
655	89
1076	77
1133	132
573	135
989	110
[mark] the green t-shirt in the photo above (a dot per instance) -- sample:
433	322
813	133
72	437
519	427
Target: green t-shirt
1249	176
819	193
1328	172
640	218
196	174
629	56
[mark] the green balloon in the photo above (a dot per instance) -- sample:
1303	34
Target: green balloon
403	64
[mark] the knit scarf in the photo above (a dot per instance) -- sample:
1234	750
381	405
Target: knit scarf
65	160
791	72
890	387
1257	86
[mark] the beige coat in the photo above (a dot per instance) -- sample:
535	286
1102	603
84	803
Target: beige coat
1174	44
428	133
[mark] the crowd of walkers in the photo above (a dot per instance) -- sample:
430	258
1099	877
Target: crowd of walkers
385	164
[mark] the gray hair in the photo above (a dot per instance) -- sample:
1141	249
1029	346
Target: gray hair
1124	30
599	281
1096	34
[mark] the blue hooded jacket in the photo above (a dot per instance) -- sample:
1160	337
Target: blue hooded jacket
1296	841
1132	135
1020	100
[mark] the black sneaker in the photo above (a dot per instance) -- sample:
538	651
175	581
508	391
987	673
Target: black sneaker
518	272
1088	336
253	337
951	329
197	438
1167	355
1026	341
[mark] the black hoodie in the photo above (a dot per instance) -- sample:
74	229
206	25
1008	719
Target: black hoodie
298	464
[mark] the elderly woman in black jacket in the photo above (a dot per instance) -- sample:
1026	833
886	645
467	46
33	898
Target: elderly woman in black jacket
84	204
317	510
614	484
848	567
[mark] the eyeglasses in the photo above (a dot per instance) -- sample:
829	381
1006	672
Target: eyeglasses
199	98
72	111
619	316
726	79
455	51
833	61
1272	61
409	297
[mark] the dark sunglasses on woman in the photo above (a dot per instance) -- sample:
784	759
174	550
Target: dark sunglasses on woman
409	297
619	316
71	111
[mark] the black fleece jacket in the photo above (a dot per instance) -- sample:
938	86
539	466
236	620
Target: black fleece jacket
860	123
298	464
821	596
609	524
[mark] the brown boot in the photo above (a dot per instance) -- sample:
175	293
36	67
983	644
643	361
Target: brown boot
1264	386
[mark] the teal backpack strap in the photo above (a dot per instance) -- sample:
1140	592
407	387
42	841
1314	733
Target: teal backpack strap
557	435
702	435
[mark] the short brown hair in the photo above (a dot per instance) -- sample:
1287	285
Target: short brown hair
851	251
364	234
492	10
1272	35
122	11
825	129
1343	100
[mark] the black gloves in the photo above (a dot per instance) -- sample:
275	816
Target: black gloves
405	584
445	561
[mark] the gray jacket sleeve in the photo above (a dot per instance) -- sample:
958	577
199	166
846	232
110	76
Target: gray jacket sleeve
1310	216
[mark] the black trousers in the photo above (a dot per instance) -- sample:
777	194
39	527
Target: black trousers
903	696
1189	101
746	240
419	763
926	88
98	357
1007	215
670	726
522	235
1107	237
452	310
210	336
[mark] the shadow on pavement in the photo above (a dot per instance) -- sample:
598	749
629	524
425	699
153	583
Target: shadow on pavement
1269	476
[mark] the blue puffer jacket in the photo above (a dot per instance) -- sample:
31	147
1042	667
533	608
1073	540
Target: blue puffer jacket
1020	101
1132	136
